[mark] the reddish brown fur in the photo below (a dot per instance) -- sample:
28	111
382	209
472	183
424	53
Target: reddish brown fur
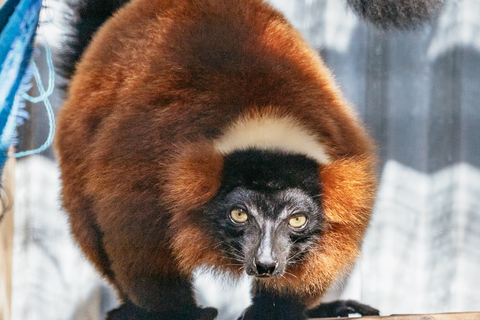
193	179
162	80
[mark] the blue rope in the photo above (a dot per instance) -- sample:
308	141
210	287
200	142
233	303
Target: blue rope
44	95
51	78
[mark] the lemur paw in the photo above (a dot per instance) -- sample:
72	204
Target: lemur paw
250	314
207	313
342	308
279	310
129	311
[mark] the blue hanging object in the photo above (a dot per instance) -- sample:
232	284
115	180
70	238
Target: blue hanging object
18	23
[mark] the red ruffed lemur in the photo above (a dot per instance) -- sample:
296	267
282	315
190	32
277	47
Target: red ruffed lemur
207	133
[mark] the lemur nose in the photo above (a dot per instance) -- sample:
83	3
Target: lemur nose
265	269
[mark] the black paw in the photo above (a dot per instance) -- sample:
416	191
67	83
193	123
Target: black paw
273	308
342	308
207	313
254	313
129	311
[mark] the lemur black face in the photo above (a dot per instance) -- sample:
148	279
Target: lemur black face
267	213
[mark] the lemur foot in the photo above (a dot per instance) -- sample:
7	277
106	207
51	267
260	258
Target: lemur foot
129	311
341	308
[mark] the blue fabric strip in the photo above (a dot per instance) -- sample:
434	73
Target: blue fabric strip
6	11
17	33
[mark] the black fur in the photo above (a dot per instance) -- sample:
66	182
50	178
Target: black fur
400	14
270	306
129	311
87	17
342	308
270	187
269	171
267	306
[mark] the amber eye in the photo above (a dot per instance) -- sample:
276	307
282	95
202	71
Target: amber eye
238	216
298	221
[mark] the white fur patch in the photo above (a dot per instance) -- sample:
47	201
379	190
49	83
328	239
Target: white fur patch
269	132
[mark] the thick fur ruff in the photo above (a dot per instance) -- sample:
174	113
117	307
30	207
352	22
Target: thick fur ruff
164	92
400	14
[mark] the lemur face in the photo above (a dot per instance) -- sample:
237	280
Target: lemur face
267	232
265	221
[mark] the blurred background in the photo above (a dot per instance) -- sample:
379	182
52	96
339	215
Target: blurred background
418	93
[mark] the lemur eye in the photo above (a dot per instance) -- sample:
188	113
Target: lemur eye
238	216
297	221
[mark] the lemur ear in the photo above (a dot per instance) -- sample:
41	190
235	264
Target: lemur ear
348	190
193	176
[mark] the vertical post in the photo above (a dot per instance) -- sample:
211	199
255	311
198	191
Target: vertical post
6	233
6	239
